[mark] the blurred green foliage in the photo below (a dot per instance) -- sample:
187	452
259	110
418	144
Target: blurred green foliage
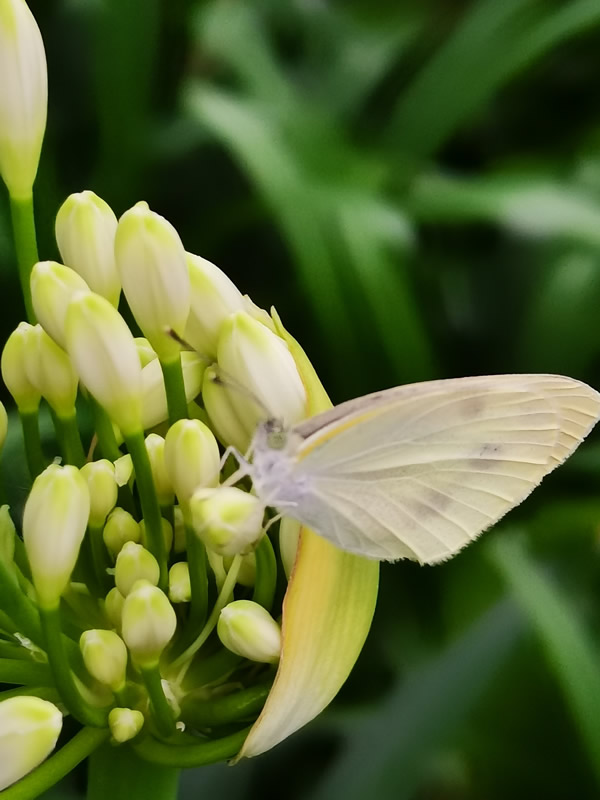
416	186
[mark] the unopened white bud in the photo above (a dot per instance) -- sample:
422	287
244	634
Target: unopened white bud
100	478
167	531
18	353
145	350
52	287
155	445
154	396
229	426
227	519
49	368
120	528
3	425
125	723
247	571
191	457
148	623
29	728
248	629
179	545
113	605
105	657
180	589
135	563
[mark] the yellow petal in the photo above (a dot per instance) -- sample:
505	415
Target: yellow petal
327	612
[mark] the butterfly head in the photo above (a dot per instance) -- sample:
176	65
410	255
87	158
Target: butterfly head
275	434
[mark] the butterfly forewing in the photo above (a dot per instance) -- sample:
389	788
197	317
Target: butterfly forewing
421	470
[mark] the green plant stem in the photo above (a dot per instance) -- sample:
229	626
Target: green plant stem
107	441
117	772
99	557
196	556
63	675
161	710
266	574
69	439
23	224
58	765
43	692
150	508
192	755
36	461
17	606
15	670
224	710
175	389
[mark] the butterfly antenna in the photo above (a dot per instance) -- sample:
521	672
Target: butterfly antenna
222	378
180	340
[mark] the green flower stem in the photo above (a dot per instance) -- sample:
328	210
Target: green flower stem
224	710
196	557
17	606
150	508
167	512
266	574
15	670
107	441
175	389
191	755
99	557
43	692
23	224
36	461
69	439
210	668
184	660
63	675
117	772
161	710
58	765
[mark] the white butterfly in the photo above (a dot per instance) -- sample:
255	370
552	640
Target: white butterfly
420	470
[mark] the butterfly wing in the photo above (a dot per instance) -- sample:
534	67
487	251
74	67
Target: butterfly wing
419	471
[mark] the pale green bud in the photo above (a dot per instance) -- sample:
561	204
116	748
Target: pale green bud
145	350
16	356
180	588
179	545
154	397
85	233
29	728
258	313
213	298
105	356
229	426
260	362
52	287
113	605
191	457
23	96
167	532
7	536
289	538
3	425
120	528
155	445
247	572
148	623
151	262
227	519
49	369
123	469
248	629
54	524
100	477
105	657
125	723
135	563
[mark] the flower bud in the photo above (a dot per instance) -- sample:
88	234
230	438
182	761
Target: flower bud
100	478
54	523
123	469
213	298
105	657
125	723
151	262
191	457
16	355
145	350
179	545
155	445
52	288
167	532
85	233
113	605
180	589
231	429
154	397
260	362
249	630
50	370
105	356
3	425
135	563
29	728
247	572
7	536
227	519
148	623
289	537
120	528
23	96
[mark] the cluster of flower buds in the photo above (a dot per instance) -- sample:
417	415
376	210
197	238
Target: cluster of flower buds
143	597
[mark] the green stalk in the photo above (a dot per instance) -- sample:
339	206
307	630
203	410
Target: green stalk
150	508
23	224
266	574
175	389
63	675
196	557
34	454
117	772
225	710
15	670
107	441
57	766
161	710
99	557
17	606
190	755
69	438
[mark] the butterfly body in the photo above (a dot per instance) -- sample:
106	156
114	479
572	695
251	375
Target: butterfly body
419	471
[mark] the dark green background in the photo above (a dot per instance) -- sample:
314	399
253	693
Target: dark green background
416	186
